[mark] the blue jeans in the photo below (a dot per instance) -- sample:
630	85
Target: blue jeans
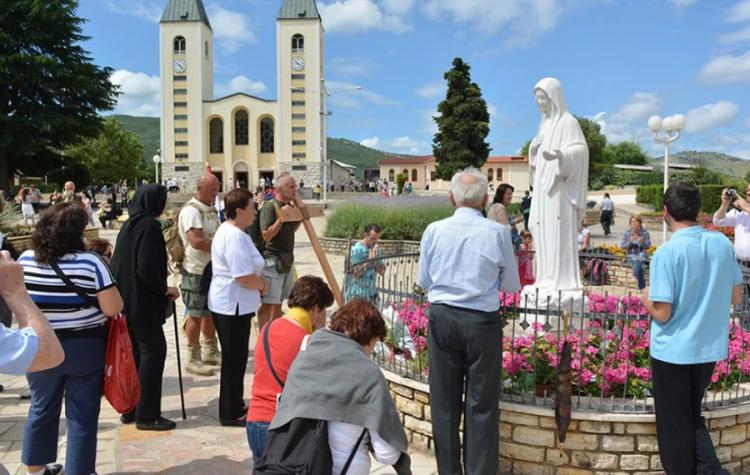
637	261
79	379
257	437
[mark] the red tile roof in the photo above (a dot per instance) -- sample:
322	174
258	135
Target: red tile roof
414	160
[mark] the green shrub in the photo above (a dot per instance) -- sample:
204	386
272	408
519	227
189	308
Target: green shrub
653	195
650	195
405	222
400	182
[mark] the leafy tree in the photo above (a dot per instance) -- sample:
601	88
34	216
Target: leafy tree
524	152
463	124
112	156
50	91
625	153
747	177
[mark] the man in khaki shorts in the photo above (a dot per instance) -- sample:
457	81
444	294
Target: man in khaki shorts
198	223
279	252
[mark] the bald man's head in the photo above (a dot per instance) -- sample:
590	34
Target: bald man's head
286	188
207	188
70	186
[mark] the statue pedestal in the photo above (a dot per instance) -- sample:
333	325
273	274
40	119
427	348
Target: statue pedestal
552	301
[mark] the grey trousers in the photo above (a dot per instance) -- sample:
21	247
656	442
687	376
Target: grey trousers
464	355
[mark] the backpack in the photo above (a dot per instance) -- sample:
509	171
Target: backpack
172	239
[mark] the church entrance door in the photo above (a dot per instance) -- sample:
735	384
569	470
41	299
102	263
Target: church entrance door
240	179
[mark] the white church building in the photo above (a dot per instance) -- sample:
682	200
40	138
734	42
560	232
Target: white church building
241	137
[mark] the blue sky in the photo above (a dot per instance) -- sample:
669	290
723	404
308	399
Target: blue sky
620	61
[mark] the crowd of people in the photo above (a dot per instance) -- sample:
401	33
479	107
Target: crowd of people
63	290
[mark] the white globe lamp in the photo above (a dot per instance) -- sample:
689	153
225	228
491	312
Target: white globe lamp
654	123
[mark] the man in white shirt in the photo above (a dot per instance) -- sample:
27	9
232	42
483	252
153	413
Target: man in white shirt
464	260
607	216
739	219
198	222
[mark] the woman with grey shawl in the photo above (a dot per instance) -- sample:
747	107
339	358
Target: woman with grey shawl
335	380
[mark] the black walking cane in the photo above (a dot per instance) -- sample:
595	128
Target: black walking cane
179	365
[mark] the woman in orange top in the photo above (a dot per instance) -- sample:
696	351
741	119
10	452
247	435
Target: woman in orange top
308	301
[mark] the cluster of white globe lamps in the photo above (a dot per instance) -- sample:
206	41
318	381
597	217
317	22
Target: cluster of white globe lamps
672	125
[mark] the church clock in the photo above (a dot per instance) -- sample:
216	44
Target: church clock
298	63
179	65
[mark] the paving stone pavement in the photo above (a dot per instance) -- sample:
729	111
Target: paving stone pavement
199	445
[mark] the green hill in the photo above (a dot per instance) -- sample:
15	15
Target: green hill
718	162
343	150
146	128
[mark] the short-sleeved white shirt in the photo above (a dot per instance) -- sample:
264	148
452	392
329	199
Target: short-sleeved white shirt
233	255
191	218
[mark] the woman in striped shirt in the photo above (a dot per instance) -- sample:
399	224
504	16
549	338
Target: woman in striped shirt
75	290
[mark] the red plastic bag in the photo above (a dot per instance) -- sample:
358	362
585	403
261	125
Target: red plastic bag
122	388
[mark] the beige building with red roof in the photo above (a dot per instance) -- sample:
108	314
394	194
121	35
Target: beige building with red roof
420	171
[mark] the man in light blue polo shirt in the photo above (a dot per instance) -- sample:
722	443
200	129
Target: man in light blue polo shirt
694	280
34	346
464	260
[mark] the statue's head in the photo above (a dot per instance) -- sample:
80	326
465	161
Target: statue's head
549	97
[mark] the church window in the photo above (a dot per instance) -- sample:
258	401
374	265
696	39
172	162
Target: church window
180	78
499	174
180	130
298	103
298	44
433	176
241	128
205	47
414	174
299	155
180	92
298	129
391	174
298	142
298	116
490	174
180	117
181	143
180	104
179	45
216	136
298	77
266	135
181	155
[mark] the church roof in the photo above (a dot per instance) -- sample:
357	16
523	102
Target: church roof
298	9
185	10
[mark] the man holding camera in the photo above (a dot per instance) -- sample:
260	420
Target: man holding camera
738	218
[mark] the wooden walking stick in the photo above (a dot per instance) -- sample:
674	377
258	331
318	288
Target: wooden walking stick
303	214
179	365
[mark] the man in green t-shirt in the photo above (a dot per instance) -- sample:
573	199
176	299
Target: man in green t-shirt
279	249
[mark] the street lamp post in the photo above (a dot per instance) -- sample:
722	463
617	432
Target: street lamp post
324	92
157	160
672	127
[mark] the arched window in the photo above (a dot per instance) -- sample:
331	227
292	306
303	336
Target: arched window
490	174
216	136
298	43
499	174
179	45
266	135
414	175
205	47
391	175
241	128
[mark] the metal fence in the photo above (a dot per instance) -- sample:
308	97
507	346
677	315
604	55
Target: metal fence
608	331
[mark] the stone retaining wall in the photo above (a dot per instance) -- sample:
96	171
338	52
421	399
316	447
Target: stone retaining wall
622	444
340	247
22	243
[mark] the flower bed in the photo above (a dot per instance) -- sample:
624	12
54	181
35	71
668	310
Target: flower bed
610	349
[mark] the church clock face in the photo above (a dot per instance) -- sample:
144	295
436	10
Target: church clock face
179	65
298	63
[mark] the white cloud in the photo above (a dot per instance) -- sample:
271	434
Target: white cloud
683	3
747	122
739	36
140	93
398	7
726	69
231	29
351	66
629	122
373	142
150	11
345	94
406	145
240	84
739	12
526	20
360	16
711	116
432	90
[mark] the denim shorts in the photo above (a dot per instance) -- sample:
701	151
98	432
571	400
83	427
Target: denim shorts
257	437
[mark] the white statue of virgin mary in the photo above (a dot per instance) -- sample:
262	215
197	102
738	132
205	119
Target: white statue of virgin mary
559	164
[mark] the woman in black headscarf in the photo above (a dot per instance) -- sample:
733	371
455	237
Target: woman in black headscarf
140	267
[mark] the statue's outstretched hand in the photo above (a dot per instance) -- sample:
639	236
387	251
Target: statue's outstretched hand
552	155
536	143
